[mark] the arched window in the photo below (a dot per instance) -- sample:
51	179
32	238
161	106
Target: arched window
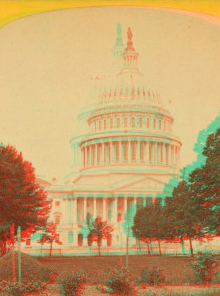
57	219
80	239
70	237
109	240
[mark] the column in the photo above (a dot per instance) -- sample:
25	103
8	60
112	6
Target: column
164	153
64	213
86	159
111	151
157	154
75	210
169	154
154	152
103	153
125	208
94	207
146	153
116	209
84	208
138	157
95	154
129	150
121	157
134	207
104	208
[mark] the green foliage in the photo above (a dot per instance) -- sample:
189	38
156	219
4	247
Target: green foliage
30	285
49	274
153	276
72	283
117	280
204	267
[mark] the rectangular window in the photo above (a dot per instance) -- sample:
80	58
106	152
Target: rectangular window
141	122
99	125
133	122
148	122
118	122
126	121
154	123
111	123
57	203
104	124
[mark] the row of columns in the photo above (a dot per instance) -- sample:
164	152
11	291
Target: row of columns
133	121
154	152
126	206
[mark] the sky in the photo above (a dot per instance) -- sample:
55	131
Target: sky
47	61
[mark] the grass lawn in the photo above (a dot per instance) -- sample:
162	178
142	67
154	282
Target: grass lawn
176	268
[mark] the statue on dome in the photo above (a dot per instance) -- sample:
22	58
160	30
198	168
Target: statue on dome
119	30
130	35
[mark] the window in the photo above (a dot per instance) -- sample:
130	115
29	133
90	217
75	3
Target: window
118	122
95	126
141	122
28	242
104	124
57	203
99	125
154	123
160	124
111	123
148	122
57	220
126	121
133	122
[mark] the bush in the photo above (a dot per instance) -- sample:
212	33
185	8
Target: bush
204	267
72	283
30	285
49	274
152	276
117	280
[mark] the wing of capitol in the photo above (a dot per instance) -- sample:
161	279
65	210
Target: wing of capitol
124	156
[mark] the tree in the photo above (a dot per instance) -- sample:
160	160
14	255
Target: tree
205	185
22	200
142	225
100	230
184	215
50	235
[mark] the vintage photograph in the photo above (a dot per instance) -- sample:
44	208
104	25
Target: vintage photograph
110	152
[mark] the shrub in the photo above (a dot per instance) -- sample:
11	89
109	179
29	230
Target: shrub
49	274
117	280
152	276
29	285
72	283
204	267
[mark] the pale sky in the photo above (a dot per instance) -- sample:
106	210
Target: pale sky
47	60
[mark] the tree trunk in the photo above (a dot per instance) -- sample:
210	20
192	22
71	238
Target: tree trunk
51	248
182	243
151	246
127	251
148	247
139	244
190	241
99	249
159	247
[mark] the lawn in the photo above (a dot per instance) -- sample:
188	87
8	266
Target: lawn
176	267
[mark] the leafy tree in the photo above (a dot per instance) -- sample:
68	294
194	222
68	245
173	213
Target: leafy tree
100	230
142	225
22	200
50	235
184	215
205	185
